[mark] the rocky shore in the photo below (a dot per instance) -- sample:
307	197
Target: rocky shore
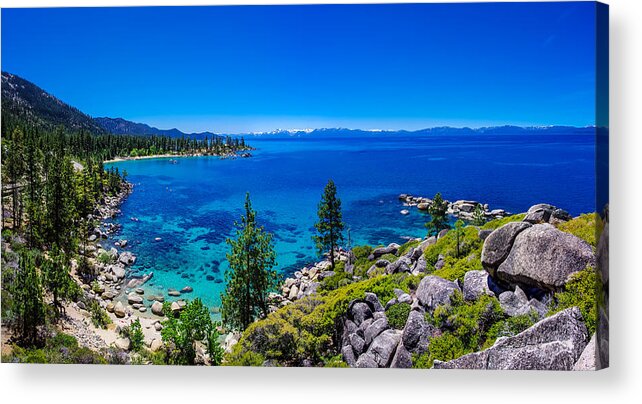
461	209
523	264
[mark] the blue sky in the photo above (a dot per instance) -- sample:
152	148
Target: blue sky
241	69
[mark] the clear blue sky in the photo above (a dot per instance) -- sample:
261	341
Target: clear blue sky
238	69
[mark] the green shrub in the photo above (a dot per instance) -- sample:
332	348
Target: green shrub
136	336
497	223
468	321
456	268
305	329
362	251
407	247
60	348
444	348
104	258
585	227
509	327
398	315
335	362
469	242
99	317
580	291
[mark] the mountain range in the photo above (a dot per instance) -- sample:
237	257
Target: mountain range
21	99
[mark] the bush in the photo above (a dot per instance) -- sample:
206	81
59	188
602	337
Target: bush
306	329
99	317
398	315
444	348
585	227
469	242
580	291
335	362
456	268
468	321
407	247
60	348
136	336
104	258
497	223
509	327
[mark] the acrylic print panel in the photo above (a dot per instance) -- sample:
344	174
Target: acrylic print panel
407	185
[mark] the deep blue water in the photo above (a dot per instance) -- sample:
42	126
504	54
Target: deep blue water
193	205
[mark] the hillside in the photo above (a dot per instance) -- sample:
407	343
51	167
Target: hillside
24	100
120	126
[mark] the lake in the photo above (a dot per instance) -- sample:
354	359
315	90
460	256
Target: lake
193	205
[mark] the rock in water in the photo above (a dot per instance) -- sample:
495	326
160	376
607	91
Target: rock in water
554	343
544	257
434	291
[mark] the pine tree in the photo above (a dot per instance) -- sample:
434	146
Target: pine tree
330	225
459	225
27	305
478	216
250	277
57	280
438	219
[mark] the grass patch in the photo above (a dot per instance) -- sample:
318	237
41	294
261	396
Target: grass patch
584	226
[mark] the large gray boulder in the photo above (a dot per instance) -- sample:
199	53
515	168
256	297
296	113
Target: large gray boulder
539	213
476	284
384	346
373	302
420	266
402	358
416	333
434	291
514	303
544	257
157	308
374	329
498	244
366	360
587	359
360	311
554	343
401	265
348	355
390	249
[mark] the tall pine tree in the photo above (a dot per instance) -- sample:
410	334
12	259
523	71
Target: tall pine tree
330	225
251	275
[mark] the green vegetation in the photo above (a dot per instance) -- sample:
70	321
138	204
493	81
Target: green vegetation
61	348
181	334
306	329
406	247
497	223
438	218
585	227
397	315
580	291
478	216
136	336
251	275
330	225
28	308
99	317
58	281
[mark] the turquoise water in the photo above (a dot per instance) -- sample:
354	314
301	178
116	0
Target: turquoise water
193	205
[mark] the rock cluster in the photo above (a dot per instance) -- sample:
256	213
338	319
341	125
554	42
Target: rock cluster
534	255
554	343
463	209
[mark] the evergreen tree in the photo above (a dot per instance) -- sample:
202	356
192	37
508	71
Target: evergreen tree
250	277
478	216
28	307
438	218
181	334
330	225
57	280
14	168
459	225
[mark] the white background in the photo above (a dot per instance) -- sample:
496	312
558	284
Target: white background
620	383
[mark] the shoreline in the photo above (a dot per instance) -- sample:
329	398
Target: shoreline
240	154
